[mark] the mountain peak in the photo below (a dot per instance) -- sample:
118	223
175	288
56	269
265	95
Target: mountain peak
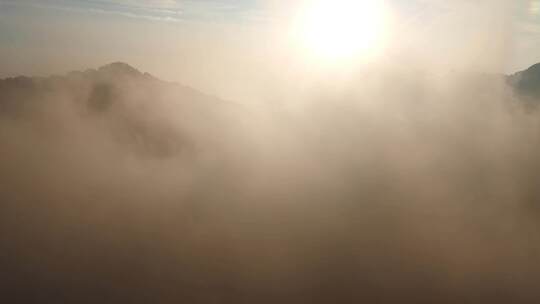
120	68
535	69
526	82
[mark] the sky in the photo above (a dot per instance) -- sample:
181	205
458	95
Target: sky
209	43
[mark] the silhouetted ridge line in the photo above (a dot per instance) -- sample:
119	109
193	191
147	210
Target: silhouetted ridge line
120	68
526	83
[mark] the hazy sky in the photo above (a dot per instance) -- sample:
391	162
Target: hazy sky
396	175
206	43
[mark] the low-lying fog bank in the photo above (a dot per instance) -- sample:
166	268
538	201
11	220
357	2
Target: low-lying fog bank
116	187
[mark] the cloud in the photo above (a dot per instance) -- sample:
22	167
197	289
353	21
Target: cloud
121	186
131	9
389	184
163	10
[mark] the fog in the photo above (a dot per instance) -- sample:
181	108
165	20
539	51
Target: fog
414	180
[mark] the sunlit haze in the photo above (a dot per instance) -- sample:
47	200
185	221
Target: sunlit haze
270	151
341	31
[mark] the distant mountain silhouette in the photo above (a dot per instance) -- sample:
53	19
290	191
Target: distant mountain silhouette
120	68
140	111
526	83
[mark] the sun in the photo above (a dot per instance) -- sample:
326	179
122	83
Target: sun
341	30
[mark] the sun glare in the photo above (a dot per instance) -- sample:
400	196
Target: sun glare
341	30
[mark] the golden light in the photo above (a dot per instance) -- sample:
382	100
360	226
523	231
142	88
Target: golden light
341	30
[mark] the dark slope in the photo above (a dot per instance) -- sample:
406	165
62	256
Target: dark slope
137	110
527	83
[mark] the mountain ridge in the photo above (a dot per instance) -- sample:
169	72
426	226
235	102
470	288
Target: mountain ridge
145	114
